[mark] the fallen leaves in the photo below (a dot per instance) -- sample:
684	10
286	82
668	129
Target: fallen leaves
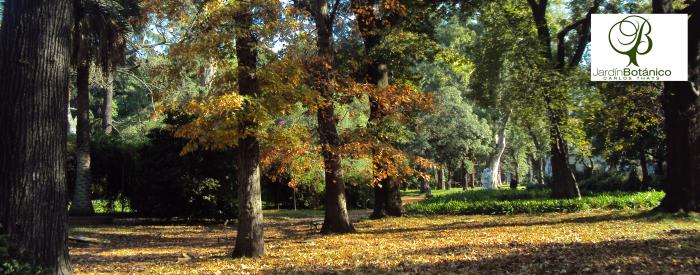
586	242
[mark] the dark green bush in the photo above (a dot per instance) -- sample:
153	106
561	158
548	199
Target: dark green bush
199	184
604	182
521	201
9	263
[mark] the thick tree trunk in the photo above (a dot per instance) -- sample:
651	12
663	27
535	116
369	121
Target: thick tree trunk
495	162
564	184
681	105
107	103
379	203
441	179
35	55
81	204
249	238
336	218
393	200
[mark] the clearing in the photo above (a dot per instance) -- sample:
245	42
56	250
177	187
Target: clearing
584	242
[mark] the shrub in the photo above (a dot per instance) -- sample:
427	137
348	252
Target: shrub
604	182
9	263
521	201
199	184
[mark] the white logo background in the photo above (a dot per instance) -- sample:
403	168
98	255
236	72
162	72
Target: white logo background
669	35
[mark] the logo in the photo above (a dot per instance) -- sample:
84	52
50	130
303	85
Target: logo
631	37
639	47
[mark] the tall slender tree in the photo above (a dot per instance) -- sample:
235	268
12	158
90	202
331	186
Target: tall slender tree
336	218
564	183
99	27
35	56
81	204
249	238
681	106
374	22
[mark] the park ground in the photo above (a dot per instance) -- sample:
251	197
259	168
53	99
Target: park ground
596	241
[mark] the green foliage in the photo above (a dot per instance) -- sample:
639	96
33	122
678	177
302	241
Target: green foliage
199	184
9	263
495	202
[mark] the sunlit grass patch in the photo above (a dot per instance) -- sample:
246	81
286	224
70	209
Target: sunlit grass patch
528	201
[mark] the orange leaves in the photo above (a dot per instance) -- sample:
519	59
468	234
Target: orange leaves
214	123
289	150
394	101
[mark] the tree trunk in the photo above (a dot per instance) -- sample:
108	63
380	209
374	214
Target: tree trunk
495	162
107	103
563	181
645	170
465	186
540	171
516	180
379	203
681	105
81	204
72	122
441	179
249	238
564	184
426	184
393	200
659	165
35	56
448	180
336	218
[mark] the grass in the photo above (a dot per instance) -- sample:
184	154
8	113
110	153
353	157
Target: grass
103	207
528	201
593	242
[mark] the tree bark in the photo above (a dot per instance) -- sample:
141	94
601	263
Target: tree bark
495	162
336	218
644	168
81	204
249	239
380	202
35	55
448	180
681	105
564	184
107	103
441	178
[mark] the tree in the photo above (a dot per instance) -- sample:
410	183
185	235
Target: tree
97	38
625	123
35	61
249	238
228	110
336	218
373	21
564	183
681	105
81	204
